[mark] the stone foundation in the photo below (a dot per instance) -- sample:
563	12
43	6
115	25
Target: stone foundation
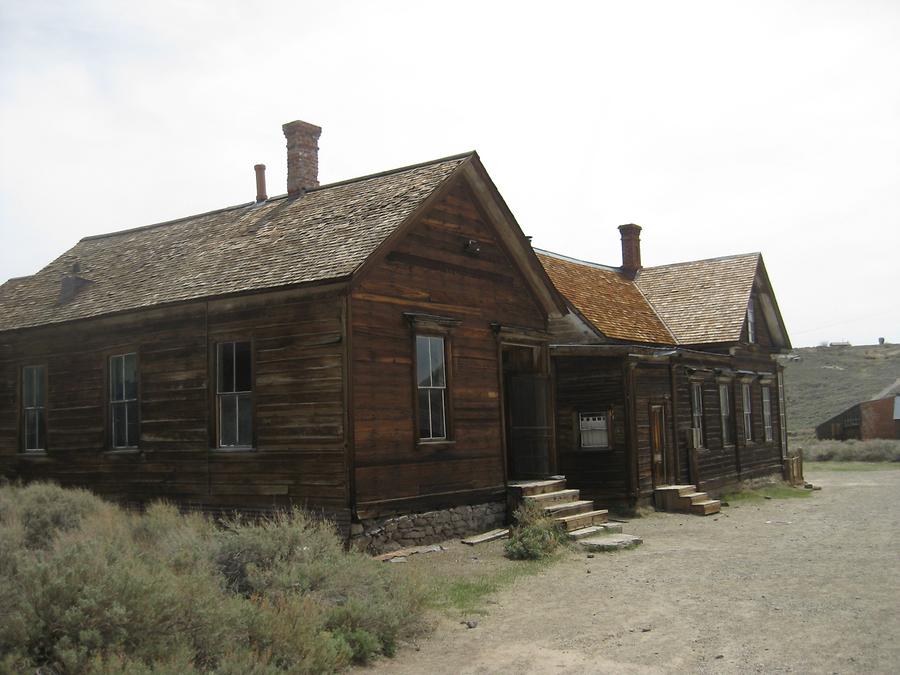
382	535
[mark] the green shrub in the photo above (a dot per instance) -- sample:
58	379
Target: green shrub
43	509
101	590
534	536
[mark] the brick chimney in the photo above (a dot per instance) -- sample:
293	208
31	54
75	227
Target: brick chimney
302	156
260	170
631	248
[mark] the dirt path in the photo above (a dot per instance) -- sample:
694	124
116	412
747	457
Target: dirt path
794	585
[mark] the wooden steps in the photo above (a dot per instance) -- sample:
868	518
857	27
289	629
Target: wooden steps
685	499
579	517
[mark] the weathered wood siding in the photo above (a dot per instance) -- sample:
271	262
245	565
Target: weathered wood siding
763	334
652	387
717	464
428	271
588	384
298	355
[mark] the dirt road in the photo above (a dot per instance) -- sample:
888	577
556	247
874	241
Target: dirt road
795	585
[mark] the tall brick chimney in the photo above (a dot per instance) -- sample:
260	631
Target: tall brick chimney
631	248
302	156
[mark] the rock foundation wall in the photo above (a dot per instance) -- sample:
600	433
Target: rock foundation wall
382	535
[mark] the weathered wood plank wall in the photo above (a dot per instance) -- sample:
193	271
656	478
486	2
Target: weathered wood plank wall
592	385
429	271
300	454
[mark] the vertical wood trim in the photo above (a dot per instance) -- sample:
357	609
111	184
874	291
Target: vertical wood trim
551	413
349	430
676	445
501	388
631	412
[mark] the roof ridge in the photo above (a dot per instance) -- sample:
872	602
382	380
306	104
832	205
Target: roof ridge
578	261
141	228
388	172
653	309
703	260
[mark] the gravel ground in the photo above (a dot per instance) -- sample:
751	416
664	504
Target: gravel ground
791	585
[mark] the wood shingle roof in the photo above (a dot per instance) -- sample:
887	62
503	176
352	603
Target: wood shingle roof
691	303
702	301
324	234
606	298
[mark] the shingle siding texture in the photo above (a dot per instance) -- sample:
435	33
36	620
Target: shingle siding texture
325	234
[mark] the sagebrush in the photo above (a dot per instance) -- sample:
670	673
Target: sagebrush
876	450
86	587
534	536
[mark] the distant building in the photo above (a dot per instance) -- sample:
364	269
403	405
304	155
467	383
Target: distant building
864	421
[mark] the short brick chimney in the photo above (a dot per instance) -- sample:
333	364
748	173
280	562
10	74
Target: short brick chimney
631	248
260	170
302	156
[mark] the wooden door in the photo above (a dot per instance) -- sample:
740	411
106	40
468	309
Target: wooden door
528	426
658	444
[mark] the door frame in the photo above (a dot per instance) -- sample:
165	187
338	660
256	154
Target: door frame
514	337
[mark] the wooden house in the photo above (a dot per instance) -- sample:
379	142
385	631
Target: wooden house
346	347
867	420
665	376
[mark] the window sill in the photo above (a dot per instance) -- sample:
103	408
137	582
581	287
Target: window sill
122	451
435	443
233	451
33	454
598	449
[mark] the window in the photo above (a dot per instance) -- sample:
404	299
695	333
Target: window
767	414
697	413
34	407
431	381
123	401
782	424
751	322
725	408
748	412
234	394
594	428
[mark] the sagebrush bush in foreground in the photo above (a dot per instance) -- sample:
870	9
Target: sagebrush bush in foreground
88	587
534	536
876	450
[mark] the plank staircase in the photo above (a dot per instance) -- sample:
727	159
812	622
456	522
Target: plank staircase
579	518
685	499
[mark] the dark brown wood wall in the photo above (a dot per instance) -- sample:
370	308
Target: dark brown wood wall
652	386
590	384
717	464
429	271
300	450
763	334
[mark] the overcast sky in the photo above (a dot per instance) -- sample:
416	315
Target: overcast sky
720	127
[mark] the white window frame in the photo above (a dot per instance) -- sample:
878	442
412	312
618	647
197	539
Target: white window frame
768	432
435	390
593	429
697	412
747	408
117	361
725	414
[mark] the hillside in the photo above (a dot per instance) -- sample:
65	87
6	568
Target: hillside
822	381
